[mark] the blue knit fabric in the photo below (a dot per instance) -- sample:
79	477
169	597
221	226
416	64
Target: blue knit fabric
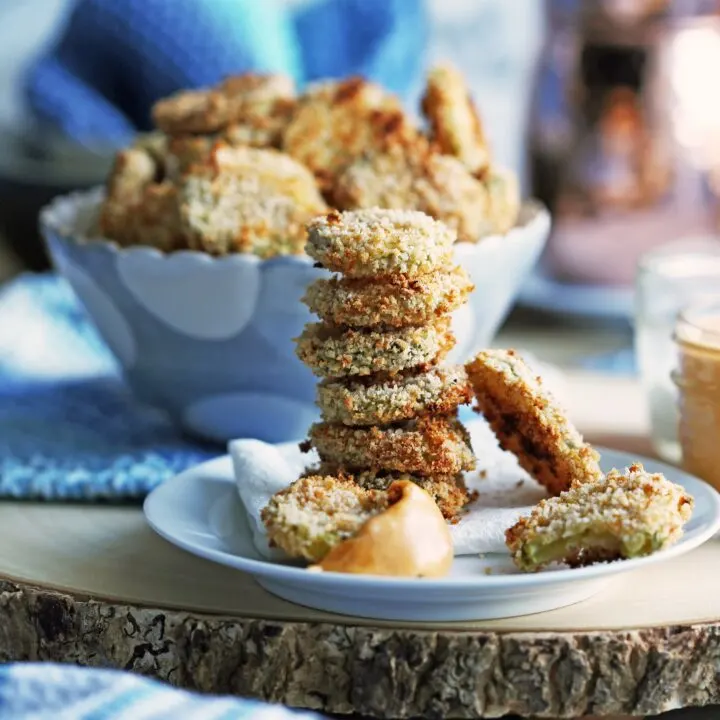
114	58
45	691
69	427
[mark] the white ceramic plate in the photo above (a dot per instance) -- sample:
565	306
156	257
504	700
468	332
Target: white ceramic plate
201	512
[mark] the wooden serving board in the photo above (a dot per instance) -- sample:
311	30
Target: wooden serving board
94	585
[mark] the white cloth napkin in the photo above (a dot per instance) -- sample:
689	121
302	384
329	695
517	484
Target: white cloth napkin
505	491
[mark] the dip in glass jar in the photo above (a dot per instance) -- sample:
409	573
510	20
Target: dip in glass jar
697	334
670	278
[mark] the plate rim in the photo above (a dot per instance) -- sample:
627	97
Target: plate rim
288	573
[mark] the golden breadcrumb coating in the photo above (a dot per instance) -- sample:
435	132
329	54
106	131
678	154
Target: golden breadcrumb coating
454	121
336	121
276	171
439	391
248	200
528	421
424	446
259	132
256	132
619	516
503	192
451	195
315	513
448	491
335	352
260	104
393	301
133	170
184	151
137	198
227	199
153	219
156	220
404	177
154	143
375	242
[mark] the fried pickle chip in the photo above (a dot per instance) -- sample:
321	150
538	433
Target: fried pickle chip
137	198
154	144
187	150
439	391
373	243
454	121
258	105
184	151
315	513
448	491
342	527
248	200
335	352
408	539
133	170
422	446
619	516
404	177
503	192
528	421
148	216
336	121
393	301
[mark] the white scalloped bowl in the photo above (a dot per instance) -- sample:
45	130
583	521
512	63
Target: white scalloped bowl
210	340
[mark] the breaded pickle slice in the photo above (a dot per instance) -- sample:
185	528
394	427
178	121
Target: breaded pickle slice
315	513
334	352
439	391
394	301
529	422
454	120
619	516
424	446
448	491
374	243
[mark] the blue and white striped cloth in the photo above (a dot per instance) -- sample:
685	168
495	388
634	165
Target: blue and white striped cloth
45	691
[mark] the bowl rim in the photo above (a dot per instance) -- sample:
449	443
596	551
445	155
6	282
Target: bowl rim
534	219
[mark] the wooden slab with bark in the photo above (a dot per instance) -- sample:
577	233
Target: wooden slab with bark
94	585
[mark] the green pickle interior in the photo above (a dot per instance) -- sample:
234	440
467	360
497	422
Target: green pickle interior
636	545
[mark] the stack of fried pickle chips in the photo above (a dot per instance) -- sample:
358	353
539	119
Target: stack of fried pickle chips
389	406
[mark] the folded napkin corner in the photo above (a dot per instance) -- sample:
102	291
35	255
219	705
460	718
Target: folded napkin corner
260	471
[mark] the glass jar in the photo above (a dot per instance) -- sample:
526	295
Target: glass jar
667	280
697	335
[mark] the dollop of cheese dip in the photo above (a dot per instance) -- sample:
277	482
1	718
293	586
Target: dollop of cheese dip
409	539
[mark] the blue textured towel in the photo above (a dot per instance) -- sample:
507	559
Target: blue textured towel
46	691
114	58
69	428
